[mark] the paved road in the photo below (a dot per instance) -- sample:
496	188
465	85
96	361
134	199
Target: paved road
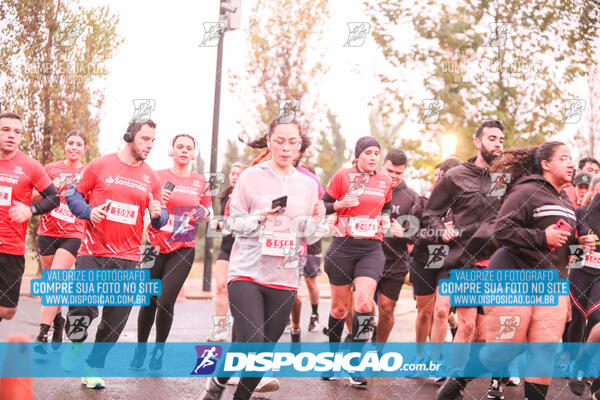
193	322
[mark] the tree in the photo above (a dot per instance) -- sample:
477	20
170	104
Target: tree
54	54
282	64
590	134
484	59
332	152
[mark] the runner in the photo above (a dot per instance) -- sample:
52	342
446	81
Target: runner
188	203
222	264
588	165
527	232
394	246
19	176
468	193
119	186
360	196
310	264
264	273
60	233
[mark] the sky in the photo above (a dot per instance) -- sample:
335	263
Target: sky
161	59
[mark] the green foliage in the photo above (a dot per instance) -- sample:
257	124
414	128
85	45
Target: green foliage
521	80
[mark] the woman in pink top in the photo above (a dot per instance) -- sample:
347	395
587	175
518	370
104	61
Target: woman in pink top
263	267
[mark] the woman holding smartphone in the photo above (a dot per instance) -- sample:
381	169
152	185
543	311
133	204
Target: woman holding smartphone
60	233
274	209
188	201
534	230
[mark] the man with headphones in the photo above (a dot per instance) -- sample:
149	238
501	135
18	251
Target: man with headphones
119	188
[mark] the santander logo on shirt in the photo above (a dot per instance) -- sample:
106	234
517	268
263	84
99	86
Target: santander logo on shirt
128	182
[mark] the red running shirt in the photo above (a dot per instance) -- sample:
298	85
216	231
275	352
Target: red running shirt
373	191
60	222
190	192
18	177
128	189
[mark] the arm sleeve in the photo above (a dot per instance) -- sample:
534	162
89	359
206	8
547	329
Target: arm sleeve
328	201
50	201
77	204
438	204
512	221
242	222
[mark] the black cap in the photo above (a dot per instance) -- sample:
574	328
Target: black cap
583	178
363	143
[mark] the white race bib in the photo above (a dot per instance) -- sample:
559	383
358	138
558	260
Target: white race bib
277	244
363	227
122	212
5	195
592	260
63	213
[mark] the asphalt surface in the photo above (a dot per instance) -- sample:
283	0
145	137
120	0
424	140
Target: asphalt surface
193	323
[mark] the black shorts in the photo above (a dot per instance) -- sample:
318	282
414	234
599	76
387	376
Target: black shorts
390	288
312	265
93	262
226	246
425	280
348	258
48	245
12	268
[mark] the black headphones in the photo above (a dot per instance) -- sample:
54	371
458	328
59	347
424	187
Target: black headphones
128	136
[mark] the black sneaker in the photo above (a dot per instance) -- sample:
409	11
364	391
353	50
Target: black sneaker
213	390
595	386
314	322
495	390
348	338
41	347
57	336
357	381
138	358
296	334
156	362
452	389
577	386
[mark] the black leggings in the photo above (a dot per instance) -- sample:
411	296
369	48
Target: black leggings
585	303
172	269
113	318
260	314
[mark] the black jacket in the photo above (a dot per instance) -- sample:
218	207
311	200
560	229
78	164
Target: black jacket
466	192
529	207
395	250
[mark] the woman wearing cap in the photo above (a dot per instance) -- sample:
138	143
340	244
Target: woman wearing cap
222	265
360	197
188	202
263	274
60	233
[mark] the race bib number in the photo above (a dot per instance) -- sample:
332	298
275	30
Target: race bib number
592	260
363	227
277	244
122	212
5	195
63	213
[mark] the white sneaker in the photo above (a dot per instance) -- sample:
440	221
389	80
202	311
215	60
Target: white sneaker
514	381
234	380
267	384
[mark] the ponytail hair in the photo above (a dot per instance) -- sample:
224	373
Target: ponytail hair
525	161
261	142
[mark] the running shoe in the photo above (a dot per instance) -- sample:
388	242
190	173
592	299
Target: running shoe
576	381
512	381
348	337
57	335
234	380
288	326
495	390
452	389
357	382
41	347
313	323
68	359
296	335
90	380
138	358
156	362
267	384
213	390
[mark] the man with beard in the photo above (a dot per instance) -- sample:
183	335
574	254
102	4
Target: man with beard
119	188
456	231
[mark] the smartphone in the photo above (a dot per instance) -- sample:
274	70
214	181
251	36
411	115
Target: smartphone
561	225
280	202
169	186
